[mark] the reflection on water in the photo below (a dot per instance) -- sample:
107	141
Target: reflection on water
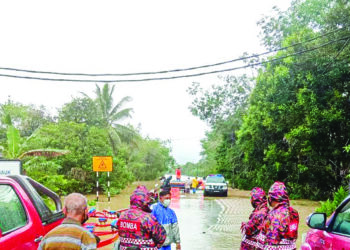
196	216
210	223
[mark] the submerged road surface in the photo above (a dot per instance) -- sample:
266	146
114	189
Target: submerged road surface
210	223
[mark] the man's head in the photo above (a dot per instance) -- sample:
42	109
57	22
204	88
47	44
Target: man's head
75	207
165	197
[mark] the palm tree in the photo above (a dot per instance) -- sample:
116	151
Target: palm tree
112	115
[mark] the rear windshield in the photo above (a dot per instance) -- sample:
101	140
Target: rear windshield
215	179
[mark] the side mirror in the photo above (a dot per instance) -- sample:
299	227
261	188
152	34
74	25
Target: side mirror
317	221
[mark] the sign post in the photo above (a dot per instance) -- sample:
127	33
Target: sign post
96	185
9	167
109	193
102	164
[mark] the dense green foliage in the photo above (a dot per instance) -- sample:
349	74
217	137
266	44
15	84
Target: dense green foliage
85	128
222	107
296	123
328	206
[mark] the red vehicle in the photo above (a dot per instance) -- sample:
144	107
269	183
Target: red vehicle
24	216
331	234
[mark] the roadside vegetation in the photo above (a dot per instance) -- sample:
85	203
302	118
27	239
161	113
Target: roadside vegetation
289	121
57	151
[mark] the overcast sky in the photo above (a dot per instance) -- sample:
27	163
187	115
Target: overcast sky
128	36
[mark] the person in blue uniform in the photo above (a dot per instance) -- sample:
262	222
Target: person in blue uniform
167	218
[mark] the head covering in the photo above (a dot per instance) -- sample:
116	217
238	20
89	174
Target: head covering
141	188
278	192
140	199
257	197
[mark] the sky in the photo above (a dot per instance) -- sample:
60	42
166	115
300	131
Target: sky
125	37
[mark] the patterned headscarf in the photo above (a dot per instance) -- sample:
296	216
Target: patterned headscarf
257	197
140	199
141	188
278	192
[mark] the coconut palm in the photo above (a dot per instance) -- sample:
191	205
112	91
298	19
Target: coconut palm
112	115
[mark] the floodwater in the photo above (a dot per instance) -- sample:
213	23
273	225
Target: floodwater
208	223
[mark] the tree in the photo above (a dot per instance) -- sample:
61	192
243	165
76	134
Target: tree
150	159
26	118
222	101
111	116
81	110
83	142
296	123
15	147
222	107
298	117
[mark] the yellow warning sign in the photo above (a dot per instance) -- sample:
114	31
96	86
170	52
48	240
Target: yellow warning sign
102	163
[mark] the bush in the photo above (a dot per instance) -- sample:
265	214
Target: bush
92	203
328	206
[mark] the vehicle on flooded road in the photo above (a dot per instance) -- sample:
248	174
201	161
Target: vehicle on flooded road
25	217
329	234
215	184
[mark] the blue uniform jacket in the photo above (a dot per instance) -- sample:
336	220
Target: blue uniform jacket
167	218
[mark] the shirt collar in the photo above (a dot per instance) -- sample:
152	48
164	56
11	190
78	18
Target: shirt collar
71	221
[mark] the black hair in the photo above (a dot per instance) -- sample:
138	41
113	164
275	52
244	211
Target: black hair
164	193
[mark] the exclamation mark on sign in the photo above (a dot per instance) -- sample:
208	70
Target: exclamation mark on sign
102	165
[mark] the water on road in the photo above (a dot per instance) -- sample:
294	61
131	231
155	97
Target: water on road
211	222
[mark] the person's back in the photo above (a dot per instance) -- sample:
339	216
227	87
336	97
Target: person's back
252	230
281	224
137	227
70	234
194	185
178	174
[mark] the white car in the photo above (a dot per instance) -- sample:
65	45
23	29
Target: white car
215	184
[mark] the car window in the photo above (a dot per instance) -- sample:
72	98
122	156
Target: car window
342	221
215	179
12	213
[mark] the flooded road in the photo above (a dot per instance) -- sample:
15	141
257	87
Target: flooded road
211	222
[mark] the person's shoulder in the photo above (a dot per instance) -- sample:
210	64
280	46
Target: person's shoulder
170	210
72	232
83	230
131	212
264	209
156	207
149	219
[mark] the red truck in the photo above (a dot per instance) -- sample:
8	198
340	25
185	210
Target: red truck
25	216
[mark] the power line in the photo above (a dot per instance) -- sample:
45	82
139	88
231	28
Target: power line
174	70
336	56
180	76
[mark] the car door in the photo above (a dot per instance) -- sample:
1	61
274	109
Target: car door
47	203
340	227
318	239
20	225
